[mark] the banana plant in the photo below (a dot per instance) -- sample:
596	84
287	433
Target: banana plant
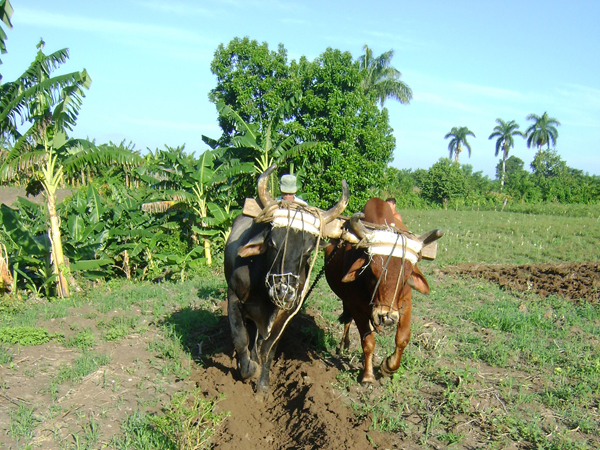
200	193
51	105
262	141
262	144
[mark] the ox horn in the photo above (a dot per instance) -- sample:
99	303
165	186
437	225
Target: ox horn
357	227
263	180
332	213
431	236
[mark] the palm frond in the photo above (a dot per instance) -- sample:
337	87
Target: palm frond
18	104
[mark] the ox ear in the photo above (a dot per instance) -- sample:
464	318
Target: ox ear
417	281
356	266
255	246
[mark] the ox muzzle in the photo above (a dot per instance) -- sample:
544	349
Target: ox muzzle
384	316
283	289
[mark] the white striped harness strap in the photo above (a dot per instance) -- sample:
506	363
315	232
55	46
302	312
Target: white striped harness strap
393	244
297	220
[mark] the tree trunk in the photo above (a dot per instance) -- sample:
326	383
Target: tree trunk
207	253
57	256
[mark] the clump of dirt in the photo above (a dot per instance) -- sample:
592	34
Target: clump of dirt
576	281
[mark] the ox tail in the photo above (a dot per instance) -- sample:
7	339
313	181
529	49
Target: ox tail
345	317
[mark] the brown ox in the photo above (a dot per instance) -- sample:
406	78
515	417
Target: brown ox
376	287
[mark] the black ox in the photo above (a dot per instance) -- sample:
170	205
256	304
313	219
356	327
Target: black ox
266	266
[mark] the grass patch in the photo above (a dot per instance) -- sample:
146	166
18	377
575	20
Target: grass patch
26	335
494	237
84	365
22	423
82	340
5	354
120	327
188	422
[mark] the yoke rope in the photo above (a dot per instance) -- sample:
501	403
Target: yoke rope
267	215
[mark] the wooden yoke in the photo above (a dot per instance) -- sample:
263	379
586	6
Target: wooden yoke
336	230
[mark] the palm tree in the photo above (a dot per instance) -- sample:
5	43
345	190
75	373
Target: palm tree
542	132
505	131
380	79
459	138
6	12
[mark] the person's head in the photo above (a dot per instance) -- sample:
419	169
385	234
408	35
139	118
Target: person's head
288	187
391	201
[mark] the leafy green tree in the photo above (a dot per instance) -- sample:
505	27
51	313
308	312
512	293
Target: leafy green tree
542	131
519	183
444	183
403	185
505	132
325	104
380	79
459	138
251	80
355	141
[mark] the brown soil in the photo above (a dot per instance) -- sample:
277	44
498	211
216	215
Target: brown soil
303	411
8	195
306	410
576	281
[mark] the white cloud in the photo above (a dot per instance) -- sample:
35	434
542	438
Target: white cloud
108	27
174	7
435	99
491	92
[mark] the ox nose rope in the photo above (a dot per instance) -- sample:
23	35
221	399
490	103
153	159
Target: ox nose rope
400	278
297	210
384	271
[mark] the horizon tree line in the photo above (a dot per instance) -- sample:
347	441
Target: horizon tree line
542	131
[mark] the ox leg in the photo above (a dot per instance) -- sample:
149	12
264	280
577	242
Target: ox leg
263	385
346	320
239	334
345	342
392	362
367	340
267	350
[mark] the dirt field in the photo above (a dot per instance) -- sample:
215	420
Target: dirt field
8	195
569	280
305	410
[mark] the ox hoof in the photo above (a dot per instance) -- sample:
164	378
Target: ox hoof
385	370
249	371
263	396
367	380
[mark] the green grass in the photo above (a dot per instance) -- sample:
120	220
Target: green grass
73	373
494	237
22	423
25	335
5	354
82	340
121	326
188	422
521	368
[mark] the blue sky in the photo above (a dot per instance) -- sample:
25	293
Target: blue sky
467	62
